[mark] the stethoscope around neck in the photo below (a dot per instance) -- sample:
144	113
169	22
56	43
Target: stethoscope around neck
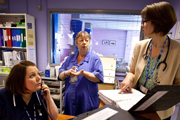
145	56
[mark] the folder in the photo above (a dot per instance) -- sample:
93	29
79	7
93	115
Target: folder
13	34
22	55
161	97
23	38
7	55
9	40
16	55
18	38
5	37
1	38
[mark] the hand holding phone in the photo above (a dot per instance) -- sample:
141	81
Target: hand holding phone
44	91
41	90
43	86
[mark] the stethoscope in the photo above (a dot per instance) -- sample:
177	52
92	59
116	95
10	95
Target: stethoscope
145	56
39	111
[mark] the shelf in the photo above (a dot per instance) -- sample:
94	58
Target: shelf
55	97
4	74
23	35
49	78
121	70
14	15
120	74
13	48
13	27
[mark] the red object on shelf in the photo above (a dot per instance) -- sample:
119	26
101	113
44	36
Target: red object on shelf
9	41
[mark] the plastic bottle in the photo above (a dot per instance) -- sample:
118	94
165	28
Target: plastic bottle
74	79
47	71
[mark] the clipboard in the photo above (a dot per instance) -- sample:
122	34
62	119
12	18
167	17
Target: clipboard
161	97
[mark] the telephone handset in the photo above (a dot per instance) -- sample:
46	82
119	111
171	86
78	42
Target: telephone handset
41	91
41	94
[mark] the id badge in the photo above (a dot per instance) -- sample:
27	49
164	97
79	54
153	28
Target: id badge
143	89
39	111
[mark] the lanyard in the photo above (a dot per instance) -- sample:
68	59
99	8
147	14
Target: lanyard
28	113
148	77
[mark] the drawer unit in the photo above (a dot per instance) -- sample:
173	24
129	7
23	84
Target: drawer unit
3	77
108	79
109	73
57	90
109	68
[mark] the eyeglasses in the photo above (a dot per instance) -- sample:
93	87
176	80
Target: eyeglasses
143	21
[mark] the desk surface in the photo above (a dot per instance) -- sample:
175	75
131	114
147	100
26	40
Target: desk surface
151	116
64	117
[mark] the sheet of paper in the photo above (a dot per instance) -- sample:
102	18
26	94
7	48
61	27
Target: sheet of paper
30	38
126	105
31	55
102	115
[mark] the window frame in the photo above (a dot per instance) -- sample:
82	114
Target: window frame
81	11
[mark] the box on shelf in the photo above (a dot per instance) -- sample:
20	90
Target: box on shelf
7	70
20	24
1	25
49	72
4	69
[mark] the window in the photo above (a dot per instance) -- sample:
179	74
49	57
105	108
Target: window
113	33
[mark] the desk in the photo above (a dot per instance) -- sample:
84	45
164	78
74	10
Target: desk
64	117
151	116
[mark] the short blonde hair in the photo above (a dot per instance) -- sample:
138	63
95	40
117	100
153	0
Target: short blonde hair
83	34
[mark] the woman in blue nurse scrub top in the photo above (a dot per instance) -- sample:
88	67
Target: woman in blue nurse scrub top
81	72
20	99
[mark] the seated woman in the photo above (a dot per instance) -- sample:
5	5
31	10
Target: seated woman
20	99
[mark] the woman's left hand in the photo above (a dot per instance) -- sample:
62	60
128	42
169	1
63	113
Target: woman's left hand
46	91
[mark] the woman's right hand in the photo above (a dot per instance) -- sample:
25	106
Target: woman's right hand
71	71
67	73
126	84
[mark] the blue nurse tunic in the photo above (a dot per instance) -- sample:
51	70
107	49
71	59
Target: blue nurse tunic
83	95
9	111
